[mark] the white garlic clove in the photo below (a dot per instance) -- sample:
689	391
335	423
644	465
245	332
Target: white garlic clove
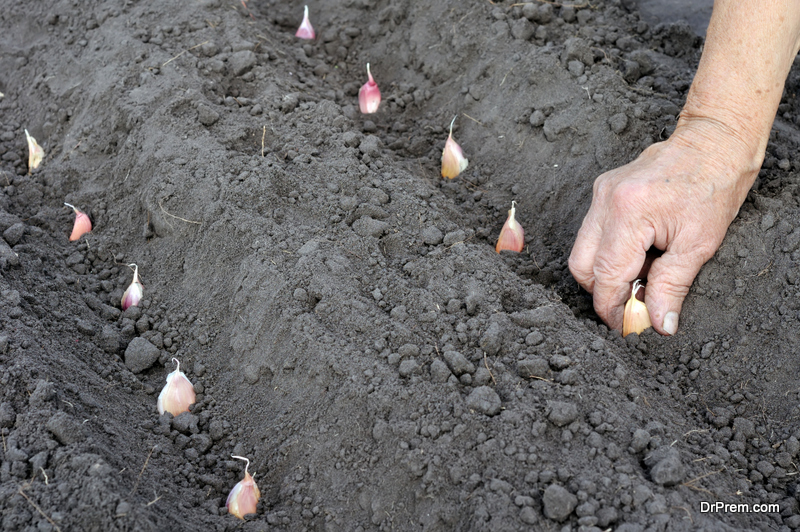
635	318
243	498
133	295
178	394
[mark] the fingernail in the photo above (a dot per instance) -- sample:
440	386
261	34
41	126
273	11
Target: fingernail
671	323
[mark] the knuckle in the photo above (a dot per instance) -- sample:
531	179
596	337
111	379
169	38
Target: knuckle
627	197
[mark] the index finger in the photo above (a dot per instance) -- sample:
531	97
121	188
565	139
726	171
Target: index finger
619	259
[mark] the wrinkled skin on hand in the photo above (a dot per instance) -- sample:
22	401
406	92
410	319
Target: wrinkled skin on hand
678	196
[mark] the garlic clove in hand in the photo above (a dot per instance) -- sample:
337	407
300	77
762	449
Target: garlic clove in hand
453	160
134	293
635	318
305	31
243	498
178	394
82	224
512	236
369	96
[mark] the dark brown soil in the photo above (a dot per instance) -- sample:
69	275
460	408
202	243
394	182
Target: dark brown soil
339	306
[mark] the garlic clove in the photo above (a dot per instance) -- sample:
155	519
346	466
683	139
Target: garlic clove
453	160
512	236
82	224
305	31
369	96
243	498
35	153
178	394
134	293
636	318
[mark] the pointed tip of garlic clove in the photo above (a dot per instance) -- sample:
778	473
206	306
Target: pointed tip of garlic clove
636	317
178	394
243	498
369	96
305	31
453	160
512	236
35	152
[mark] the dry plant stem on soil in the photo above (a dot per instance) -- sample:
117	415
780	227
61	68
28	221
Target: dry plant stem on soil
21	491
176	217
556	4
139	478
183	52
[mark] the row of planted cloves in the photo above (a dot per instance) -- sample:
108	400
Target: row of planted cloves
178	394
512	237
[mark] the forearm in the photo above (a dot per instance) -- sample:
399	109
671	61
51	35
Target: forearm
749	49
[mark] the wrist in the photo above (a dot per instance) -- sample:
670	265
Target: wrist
735	147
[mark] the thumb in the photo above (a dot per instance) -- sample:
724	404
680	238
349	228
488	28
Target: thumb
668	282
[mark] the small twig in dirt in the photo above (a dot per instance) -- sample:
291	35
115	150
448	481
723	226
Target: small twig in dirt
486	363
136	485
688	513
21	491
539	378
504	77
244	4
153	501
473	119
75	148
691	483
183	52
263	134
556	4
695	430
177	217
46	480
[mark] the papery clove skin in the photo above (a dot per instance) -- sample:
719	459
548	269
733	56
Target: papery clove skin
636	318
243	498
453	160
134	293
369	96
305	31
178	394
82	223
35	153
512	236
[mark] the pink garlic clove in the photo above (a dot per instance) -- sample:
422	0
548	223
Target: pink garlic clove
82	224
305	31
512	236
369	96
453	160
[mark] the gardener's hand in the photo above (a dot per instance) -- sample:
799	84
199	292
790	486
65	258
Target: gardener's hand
679	196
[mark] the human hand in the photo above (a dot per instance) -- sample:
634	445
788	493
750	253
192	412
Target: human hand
679	196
